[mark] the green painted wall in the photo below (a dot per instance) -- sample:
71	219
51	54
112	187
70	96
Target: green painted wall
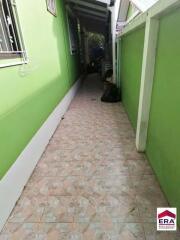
131	10
29	93
130	71
163	144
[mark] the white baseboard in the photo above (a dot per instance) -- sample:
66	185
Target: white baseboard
12	184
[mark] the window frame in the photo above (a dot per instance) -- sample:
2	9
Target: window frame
70	17
15	57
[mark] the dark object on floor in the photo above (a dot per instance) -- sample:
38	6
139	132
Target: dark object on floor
111	93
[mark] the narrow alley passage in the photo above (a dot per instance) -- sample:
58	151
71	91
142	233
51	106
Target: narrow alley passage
90	183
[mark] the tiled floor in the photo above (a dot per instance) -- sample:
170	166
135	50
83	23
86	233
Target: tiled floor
90	184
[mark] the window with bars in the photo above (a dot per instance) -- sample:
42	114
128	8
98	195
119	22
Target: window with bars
10	37
73	37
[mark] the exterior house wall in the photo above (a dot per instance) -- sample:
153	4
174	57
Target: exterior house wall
163	128
131	10
29	93
130	71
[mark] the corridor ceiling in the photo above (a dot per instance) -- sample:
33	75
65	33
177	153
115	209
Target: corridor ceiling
92	14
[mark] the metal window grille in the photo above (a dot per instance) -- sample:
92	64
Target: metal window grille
10	36
73	28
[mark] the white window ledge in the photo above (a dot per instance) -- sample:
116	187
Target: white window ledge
12	62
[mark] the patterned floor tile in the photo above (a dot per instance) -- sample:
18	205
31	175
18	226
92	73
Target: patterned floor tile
91	183
28	209
152	234
20	231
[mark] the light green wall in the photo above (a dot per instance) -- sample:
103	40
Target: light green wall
131	10
163	144
29	93
130	71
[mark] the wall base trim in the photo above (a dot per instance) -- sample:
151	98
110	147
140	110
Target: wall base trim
12	184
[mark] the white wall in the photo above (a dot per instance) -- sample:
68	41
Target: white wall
115	11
